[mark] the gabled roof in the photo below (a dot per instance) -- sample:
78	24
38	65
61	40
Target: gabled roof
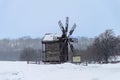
49	37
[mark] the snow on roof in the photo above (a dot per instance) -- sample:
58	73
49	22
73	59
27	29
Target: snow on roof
51	37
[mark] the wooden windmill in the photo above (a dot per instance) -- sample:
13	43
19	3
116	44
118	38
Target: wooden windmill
55	47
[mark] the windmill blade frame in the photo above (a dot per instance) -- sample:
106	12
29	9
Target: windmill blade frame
61	26
66	27
72	30
65	39
75	40
71	47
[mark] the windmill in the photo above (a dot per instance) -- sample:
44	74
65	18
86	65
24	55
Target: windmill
55	46
66	40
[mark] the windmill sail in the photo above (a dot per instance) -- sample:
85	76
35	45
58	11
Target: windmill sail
61	26
66	40
72	30
66	28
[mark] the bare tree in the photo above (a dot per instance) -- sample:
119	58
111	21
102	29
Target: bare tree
104	45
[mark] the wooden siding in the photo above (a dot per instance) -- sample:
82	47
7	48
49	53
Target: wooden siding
52	52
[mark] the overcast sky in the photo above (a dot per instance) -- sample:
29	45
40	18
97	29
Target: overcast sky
36	17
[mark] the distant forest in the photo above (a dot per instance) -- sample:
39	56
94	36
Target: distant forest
11	49
100	48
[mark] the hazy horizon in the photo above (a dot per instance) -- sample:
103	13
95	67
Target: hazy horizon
34	18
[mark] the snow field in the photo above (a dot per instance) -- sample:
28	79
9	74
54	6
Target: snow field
66	71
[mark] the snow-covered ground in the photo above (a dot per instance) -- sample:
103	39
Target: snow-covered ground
66	71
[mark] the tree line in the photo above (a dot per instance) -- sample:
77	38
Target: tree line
101	49
104	48
13	49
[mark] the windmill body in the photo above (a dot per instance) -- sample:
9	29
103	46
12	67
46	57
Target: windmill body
55	46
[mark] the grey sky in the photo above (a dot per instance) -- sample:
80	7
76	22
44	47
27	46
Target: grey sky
36	17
